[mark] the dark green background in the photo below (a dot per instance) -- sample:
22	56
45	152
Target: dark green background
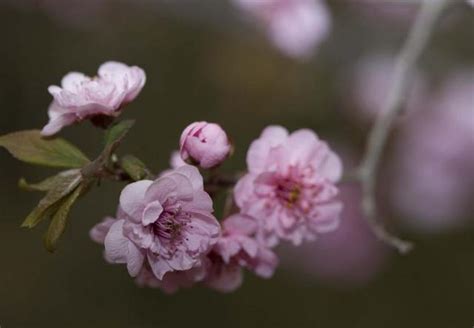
204	63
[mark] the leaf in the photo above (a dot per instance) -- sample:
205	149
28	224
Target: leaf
62	187
118	131
47	183
58	222
29	146
134	167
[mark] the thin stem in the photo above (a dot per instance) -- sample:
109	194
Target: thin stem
404	68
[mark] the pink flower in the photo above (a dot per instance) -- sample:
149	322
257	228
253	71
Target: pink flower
290	187
296	27
164	225
81	97
236	249
205	144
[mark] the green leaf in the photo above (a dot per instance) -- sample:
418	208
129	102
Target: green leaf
48	183
58	222
134	167
61	188
118	131
29	146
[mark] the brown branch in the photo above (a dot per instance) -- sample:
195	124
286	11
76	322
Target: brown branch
404	67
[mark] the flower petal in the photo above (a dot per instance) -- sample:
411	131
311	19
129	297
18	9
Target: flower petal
116	244
132	199
152	212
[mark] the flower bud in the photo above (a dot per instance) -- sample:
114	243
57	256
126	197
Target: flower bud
205	144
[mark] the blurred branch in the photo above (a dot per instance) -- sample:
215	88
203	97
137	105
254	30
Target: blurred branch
404	67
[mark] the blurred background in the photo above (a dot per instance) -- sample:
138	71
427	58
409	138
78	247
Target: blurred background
245	67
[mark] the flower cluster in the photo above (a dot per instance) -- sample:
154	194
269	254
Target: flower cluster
165	231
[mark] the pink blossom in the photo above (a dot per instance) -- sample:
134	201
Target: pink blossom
81	97
290	187
432	162
296	27
237	249
205	144
164	225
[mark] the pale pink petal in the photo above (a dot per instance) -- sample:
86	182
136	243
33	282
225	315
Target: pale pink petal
259	150
73	81
132	199
152	212
135	258
173	185
243	190
182	261
116	245
192	173
331	167
100	230
158	266
201	202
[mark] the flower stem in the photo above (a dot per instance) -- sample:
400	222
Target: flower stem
404	67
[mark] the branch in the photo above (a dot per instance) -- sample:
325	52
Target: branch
404	67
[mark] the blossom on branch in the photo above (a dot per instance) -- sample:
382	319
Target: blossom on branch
205	144
163	226
290	186
82	97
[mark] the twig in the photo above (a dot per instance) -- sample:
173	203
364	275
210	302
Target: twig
404	67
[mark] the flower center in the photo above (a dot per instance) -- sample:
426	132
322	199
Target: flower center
288	192
171	223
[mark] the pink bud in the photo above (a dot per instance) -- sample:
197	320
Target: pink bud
204	143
